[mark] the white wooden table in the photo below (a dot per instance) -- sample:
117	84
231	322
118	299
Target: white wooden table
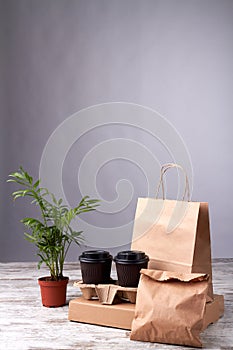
26	324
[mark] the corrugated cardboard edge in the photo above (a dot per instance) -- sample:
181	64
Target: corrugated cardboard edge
213	311
121	315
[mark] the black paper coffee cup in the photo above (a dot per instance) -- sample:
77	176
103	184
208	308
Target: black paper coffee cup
95	266
128	265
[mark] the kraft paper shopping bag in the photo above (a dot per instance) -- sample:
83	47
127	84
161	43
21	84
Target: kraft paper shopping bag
174	234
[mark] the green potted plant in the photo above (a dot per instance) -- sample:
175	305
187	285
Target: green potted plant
52	233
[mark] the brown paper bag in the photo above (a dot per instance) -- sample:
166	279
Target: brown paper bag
170	307
174	234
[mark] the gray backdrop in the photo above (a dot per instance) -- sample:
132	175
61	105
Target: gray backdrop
59	56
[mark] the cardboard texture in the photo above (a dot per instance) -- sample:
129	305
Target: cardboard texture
92	311
122	315
170	307
107	293
213	311
174	234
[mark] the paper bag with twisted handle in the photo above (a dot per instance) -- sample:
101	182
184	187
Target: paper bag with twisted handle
174	234
170	307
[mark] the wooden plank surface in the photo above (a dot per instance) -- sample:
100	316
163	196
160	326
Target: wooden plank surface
25	324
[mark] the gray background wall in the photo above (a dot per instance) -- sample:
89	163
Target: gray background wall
59	56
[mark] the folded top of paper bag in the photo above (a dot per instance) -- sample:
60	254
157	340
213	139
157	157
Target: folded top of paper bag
171	275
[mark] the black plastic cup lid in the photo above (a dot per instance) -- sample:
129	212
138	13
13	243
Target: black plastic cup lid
95	256
131	256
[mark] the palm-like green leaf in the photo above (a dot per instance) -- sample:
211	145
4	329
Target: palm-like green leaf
53	234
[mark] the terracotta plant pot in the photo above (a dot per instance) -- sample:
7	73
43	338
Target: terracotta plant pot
53	293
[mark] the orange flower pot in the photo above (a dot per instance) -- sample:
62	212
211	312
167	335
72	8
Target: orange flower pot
53	293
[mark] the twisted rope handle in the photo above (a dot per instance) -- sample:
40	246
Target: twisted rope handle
163	170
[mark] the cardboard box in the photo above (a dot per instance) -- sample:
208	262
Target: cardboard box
92	311
214	310
121	315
